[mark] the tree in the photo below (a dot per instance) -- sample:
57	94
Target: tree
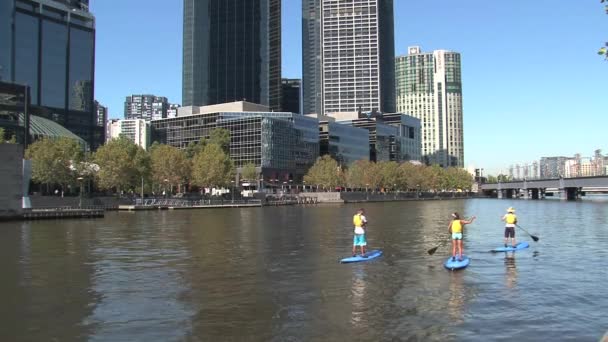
212	167
325	172
169	165
221	137
195	147
249	172
55	161
389	171
122	164
354	174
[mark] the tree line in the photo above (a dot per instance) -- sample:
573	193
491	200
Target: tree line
122	166
326	174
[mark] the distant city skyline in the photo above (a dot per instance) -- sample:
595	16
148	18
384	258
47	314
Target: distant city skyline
532	82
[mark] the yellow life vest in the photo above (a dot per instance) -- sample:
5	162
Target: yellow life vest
456	226
511	218
357	220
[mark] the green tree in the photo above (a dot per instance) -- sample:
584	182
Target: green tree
122	164
372	175
55	161
389	171
221	137
169	165
212	167
354	174
249	172
195	147
2	133
325	173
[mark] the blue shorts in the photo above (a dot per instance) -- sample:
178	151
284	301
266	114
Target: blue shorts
456	236
359	240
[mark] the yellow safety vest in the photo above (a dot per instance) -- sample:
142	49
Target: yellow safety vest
511	219
456	226
357	220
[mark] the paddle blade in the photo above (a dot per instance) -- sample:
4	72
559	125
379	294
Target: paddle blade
432	250
535	238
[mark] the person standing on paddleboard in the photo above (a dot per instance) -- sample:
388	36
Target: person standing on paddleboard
511	221
360	222
455	228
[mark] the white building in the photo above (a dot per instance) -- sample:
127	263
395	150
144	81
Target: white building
137	130
348	56
429	87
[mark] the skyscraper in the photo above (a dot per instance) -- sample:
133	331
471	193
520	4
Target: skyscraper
290	95
429	87
348	56
50	47
232	52
146	107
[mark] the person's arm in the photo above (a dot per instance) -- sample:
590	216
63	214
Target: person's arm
503	218
469	220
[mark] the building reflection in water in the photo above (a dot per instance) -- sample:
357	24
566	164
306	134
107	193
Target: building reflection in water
358	292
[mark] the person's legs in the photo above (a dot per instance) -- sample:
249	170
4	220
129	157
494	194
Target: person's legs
363	244
506	236
454	243
460	249
355	245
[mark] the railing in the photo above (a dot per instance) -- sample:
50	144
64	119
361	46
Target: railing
172	202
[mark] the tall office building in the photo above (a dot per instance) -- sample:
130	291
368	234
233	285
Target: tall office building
348	56
50	47
136	130
429	87
232	52
146	107
290	95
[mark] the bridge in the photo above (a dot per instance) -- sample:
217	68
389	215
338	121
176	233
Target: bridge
565	188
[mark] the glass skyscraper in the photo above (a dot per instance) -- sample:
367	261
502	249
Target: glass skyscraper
348	56
50	47
429	87
232	52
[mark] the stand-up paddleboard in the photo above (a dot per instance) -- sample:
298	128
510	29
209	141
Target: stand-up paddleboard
369	255
457	264
517	247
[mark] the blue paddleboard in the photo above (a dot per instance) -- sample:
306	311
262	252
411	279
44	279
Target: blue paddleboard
456	264
517	247
369	255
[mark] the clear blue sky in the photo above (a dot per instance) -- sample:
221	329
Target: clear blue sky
533	84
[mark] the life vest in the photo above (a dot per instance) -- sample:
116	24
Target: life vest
357	220
511	218
456	226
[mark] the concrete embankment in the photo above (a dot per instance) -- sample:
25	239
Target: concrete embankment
355	197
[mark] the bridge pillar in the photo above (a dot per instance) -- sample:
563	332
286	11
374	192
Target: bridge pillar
542	193
500	194
526	193
568	194
535	193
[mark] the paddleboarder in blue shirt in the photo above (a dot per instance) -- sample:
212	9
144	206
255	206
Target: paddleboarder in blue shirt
360	222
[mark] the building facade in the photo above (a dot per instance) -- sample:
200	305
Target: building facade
348	56
344	143
146	107
429	87
136	130
172	110
101	119
50	47
281	145
290	95
232	52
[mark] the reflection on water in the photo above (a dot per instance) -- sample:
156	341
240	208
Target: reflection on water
511	270
273	274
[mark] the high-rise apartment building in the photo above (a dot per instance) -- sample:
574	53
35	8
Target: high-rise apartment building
348	56
50	47
136	130
146	107
232	52
429	87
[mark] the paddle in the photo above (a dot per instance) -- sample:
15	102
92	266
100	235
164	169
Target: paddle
535	238
434	249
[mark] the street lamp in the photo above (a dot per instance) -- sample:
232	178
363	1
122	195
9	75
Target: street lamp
80	196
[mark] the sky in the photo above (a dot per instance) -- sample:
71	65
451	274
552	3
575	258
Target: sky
533	84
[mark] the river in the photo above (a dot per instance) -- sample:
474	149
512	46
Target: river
272	274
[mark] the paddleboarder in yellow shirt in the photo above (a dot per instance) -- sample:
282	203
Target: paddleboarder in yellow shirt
456	226
510	222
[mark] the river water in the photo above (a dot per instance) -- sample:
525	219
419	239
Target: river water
272	274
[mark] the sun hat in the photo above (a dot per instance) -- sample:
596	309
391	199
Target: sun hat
511	210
